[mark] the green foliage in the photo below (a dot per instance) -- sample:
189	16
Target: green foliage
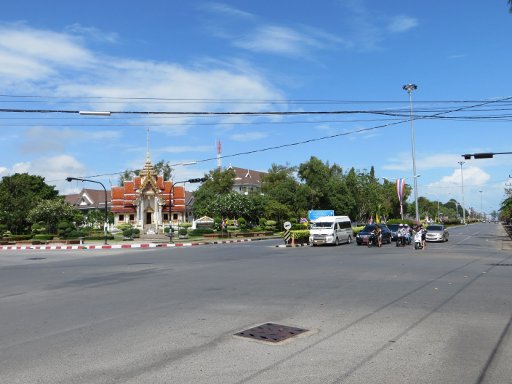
200	231
299	227
357	229
399	221
183	232
42	237
300	235
185	225
19	194
51	212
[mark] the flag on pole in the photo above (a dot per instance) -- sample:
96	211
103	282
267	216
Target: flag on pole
400	186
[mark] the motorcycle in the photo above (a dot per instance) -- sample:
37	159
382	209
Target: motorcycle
417	241
400	241
372	240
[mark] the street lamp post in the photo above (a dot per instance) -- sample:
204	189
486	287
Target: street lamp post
481	208
462	186
171	198
409	88
69	179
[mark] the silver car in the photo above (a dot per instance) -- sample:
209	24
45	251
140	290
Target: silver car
437	232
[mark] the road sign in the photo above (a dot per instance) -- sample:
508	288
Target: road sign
287	225
286	236
315	214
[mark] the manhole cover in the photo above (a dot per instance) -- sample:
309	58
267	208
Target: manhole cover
271	332
36	258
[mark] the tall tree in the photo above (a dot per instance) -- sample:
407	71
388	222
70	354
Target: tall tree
51	212
20	193
217	183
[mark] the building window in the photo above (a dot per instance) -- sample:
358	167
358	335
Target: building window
166	217
174	216
132	217
121	217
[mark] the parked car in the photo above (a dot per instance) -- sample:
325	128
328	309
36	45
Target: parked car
362	237
437	232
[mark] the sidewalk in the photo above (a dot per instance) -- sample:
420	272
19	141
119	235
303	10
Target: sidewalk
506	238
123	245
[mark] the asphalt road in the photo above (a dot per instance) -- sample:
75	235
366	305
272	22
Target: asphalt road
388	315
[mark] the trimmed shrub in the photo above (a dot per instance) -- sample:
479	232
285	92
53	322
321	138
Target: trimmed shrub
183	232
200	231
301	236
42	237
185	225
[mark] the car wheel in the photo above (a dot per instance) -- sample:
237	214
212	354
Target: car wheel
337	242
349	240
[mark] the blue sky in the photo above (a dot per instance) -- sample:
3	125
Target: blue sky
241	56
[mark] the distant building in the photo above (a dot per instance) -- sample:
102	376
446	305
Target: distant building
247	180
149	202
88	199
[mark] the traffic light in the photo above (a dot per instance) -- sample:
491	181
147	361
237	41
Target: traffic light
198	180
486	155
483	155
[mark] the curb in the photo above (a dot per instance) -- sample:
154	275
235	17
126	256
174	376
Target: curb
114	246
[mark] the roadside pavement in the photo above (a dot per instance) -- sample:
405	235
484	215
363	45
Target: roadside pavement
122	244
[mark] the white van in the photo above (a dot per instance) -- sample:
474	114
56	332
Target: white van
331	230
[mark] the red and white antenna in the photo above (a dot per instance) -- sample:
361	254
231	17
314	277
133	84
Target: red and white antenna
219	151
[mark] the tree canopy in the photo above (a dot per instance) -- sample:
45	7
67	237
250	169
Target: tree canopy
19	194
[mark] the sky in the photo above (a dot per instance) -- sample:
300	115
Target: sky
274	82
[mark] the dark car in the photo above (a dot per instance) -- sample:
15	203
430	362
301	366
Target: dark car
362	237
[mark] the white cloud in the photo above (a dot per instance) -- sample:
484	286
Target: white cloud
402	23
224	9
473	176
249	136
54	169
46	140
403	162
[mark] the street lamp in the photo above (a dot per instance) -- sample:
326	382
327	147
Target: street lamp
481	209
409	88
462	185
70	179
171	198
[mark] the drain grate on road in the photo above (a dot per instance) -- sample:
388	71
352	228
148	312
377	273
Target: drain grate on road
270	332
502	265
36	258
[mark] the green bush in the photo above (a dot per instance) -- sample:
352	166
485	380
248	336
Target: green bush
123	226
20	237
262	222
183	232
242	223
136	232
357	229
128	232
400	221
301	236
299	227
42	237
293	220
98	237
200	231
185	225
39	228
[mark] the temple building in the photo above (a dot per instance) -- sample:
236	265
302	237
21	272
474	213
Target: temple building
144	202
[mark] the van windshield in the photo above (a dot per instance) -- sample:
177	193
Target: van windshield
323	224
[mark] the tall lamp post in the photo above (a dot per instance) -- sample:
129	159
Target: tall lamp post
462	186
70	179
409	88
481	208
171	198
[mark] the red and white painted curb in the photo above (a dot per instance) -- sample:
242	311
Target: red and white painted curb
113	246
